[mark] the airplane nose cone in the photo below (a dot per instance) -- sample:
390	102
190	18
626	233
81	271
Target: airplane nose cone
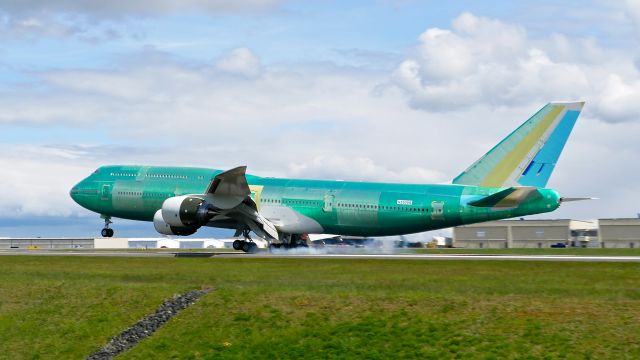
74	193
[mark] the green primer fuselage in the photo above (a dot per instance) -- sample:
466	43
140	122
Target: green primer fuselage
339	207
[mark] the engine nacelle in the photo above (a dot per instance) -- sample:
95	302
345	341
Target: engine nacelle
163	228
184	211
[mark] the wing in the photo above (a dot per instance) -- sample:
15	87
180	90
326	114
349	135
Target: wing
230	196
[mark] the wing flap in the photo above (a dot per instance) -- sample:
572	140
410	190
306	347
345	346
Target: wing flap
230	193
229	188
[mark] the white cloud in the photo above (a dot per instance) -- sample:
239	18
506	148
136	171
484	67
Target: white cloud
632	8
121	8
36	180
619	99
93	21
361	168
484	61
241	61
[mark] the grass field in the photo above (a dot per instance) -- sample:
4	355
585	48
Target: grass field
67	307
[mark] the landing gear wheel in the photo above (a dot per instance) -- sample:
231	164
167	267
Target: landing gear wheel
237	244
106	232
249	247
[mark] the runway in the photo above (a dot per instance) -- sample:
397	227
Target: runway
439	257
320	255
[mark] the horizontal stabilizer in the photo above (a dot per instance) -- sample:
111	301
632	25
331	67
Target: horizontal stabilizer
507	199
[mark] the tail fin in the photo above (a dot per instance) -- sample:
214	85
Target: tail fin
529	154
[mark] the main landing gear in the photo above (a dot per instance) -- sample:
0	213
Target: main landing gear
291	241
247	245
107	232
287	241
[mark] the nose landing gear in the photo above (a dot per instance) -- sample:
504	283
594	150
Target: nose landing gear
106	231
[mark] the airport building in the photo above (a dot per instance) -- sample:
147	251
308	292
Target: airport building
116	243
51	243
525	234
619	233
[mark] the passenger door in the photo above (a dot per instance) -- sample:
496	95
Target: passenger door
437	210
329	200
105	193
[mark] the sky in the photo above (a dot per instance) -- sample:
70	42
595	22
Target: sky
394	91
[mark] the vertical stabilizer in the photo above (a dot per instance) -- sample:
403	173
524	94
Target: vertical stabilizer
529	154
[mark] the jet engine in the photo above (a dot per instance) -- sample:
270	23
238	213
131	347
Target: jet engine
163	228
185	211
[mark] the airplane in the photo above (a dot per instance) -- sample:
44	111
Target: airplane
508	181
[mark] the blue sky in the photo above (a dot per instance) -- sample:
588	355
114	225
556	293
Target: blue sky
405	91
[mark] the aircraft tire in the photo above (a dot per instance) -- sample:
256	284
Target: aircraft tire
107	232
237	245
246	246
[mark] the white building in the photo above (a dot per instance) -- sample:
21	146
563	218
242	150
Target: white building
518	233
619	233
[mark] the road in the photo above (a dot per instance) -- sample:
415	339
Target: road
320	255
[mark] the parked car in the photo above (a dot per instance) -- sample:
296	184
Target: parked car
559	245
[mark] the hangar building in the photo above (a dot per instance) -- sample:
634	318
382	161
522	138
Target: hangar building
115	243
619	233
523	234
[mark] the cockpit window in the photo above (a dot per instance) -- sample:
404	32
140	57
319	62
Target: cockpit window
97	171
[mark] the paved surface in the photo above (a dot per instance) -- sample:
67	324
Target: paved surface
319	255
449	257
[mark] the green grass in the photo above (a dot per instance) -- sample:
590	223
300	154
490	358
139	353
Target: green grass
67	307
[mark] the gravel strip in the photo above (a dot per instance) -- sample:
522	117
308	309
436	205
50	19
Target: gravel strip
147	326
